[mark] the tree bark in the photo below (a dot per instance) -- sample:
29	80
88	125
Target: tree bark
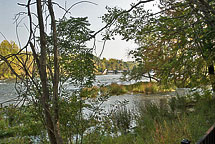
56	75
43	76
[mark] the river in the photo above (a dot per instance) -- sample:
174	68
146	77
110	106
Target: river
7	91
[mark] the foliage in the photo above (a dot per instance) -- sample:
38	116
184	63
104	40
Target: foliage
161	124
177	46
20	125
69	62
76	60
176	43
119	89
151	123
16	61
44	79
121	118
156	124
77	68
24	124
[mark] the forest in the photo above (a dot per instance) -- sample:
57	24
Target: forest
113	64
7	48
175	50
10	48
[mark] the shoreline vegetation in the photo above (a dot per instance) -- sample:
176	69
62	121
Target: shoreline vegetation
173	44
167	123
181	117
119	89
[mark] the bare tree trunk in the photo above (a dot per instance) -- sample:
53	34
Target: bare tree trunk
56	74
43	76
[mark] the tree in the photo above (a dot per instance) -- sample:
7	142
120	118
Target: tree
56	58
7	48
176	43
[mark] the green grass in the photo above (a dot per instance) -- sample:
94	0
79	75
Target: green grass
164	124
117	89
89	92
139	87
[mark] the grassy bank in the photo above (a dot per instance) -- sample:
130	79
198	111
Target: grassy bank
117	89
182	117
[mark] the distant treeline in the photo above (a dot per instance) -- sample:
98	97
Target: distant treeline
112	64
16	62
9	49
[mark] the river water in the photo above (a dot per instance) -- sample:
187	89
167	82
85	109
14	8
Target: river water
7	91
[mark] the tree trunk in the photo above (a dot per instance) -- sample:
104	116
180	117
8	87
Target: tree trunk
212	76
43	76
56	75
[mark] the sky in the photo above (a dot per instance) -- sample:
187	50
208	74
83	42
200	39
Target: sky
113	49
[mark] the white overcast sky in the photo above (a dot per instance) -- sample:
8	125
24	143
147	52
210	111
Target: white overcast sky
113	49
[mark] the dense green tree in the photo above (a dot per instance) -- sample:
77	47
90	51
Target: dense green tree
176	43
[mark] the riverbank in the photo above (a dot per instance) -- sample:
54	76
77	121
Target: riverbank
181	118
149	123
132	116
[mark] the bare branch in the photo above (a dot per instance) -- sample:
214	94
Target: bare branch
3	36
117	16
9	65
77	4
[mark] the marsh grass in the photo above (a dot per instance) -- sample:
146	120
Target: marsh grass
167	125
139	87
91	92
117	89
161	124
143	87
121	119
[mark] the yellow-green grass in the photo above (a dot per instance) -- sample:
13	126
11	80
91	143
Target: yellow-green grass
117	89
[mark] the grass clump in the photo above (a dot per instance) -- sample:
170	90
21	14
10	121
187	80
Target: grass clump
144	87
139	87
116	89
91	92
175	122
